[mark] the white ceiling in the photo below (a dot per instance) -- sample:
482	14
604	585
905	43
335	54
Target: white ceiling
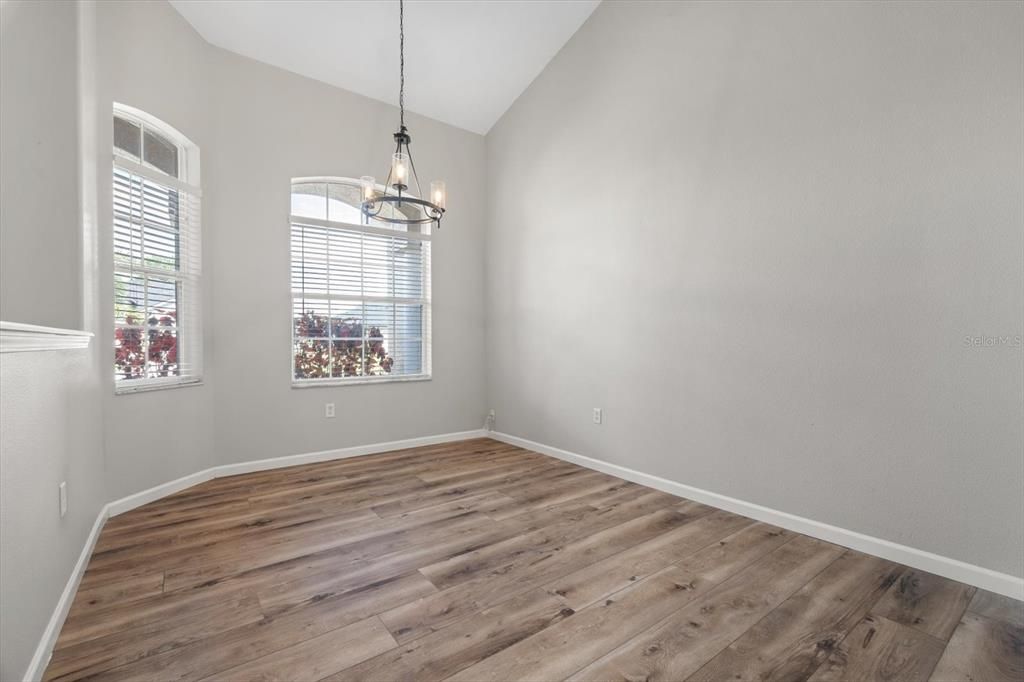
466	61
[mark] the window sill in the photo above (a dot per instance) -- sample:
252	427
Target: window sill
146	388
360	381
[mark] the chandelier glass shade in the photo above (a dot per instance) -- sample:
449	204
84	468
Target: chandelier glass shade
401	189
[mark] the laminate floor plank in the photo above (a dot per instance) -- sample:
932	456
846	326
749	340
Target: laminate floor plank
497	559
478	560
983	650
172	521
680	644
538	495
429	494
997	607
927	602
148	613
315	658
219	526
793	640
237	646
622	528
599	628
172	553
441	654
115	595
881	650
148	636
595	581
363	541
480	449
361	561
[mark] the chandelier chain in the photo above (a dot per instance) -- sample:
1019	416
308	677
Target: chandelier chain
405	176
401	63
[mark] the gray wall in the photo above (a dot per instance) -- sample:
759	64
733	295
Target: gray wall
50	421
157	436
49	432
39	242
257	127
272	125
757	235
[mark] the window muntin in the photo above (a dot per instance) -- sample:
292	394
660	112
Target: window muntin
360	293
135	140
157	266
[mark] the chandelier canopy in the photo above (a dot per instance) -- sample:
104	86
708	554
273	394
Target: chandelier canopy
412	208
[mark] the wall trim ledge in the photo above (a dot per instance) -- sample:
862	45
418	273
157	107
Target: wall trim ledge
18	337
947	567
44	650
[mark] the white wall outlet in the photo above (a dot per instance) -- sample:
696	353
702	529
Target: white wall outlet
597	415
63	492
329	410
490	421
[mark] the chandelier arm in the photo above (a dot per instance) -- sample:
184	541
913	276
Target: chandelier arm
412	166
433	212
387	181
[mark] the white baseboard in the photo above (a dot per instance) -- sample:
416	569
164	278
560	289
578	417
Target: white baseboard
41	657
37	666
954	569
163	490
341	453
156	492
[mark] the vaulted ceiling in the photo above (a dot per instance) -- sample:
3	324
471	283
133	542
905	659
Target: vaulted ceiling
466	60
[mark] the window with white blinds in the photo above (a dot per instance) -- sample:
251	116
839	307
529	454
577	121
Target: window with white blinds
360	291
157	264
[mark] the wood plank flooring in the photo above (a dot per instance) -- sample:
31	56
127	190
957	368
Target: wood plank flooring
478	560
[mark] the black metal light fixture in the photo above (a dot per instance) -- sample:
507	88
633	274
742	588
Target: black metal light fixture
402	174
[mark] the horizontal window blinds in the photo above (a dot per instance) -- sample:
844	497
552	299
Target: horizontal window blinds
360	301
157	266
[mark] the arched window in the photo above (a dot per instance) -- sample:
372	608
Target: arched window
360	290
157	264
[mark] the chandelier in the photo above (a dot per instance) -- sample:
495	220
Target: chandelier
410	209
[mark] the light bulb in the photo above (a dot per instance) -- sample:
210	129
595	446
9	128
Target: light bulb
438	193
369	185
400	169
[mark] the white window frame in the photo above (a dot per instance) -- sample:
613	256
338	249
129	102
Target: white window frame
426	330
188	327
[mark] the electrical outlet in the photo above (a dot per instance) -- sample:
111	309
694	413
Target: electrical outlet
63	492
490	420
597	415
329	410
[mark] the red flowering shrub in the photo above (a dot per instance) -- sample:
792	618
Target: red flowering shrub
157	357
339	350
